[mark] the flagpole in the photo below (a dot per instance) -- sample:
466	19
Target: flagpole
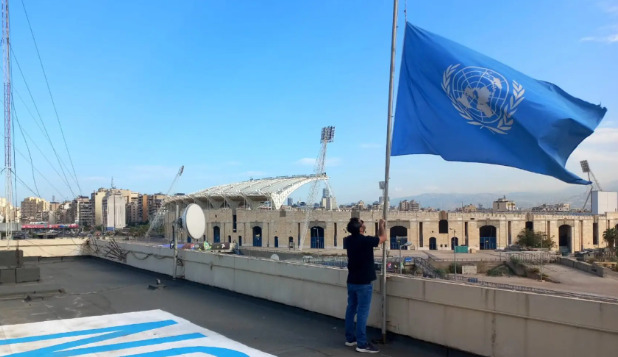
388	162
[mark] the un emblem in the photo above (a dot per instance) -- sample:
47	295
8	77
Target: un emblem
482	96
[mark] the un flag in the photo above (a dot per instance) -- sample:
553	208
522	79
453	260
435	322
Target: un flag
464	106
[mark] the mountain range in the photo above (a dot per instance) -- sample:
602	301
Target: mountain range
575	196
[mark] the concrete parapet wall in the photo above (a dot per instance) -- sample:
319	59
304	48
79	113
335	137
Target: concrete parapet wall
59	247
583	266
489	322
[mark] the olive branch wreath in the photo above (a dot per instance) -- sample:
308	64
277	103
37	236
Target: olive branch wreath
505	122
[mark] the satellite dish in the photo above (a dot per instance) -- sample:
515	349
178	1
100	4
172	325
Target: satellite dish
193	221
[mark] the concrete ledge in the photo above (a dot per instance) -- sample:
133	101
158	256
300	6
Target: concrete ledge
7	275
11	258
485	321
27	274
59	247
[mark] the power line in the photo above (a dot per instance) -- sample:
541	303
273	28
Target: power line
45	178
63	179
51	97
21	130
44	129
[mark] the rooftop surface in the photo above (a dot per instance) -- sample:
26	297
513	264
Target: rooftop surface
83	287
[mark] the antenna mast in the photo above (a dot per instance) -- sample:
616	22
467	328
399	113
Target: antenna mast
8	166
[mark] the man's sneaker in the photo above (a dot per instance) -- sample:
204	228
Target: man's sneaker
367	349
350	344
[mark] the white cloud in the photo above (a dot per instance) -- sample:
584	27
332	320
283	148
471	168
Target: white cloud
609	7
600	150
603	136
606	39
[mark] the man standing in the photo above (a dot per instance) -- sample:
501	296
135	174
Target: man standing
361	273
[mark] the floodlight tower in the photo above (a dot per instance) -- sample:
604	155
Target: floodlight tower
328	135
8	166
586	169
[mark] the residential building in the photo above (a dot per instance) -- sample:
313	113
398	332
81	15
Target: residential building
142	208
97	205
154	203
32	209
114	210
504	205
81	211
133	216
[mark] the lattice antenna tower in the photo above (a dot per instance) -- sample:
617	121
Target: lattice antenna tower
586	169
328	135
8	165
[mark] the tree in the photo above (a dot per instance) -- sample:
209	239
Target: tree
611	236
530	239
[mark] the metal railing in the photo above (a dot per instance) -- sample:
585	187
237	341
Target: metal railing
430	272
476	282
537	258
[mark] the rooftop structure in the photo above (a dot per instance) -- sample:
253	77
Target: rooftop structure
252	193
87	287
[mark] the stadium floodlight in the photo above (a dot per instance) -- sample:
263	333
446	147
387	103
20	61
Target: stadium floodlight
585	166
328	134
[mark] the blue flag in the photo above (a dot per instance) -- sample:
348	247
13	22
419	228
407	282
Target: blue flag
464	106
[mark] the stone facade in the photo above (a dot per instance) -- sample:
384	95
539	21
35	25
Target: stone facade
425	230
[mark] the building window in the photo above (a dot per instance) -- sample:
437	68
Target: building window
420	234
443	226
595	233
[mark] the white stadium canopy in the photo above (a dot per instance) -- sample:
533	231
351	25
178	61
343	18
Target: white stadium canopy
252	193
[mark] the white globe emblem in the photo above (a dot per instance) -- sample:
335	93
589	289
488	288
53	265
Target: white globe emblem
480	92
482	96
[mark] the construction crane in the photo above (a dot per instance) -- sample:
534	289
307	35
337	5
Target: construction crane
586	169
328	135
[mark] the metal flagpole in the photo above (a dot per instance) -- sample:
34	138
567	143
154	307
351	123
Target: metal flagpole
388	162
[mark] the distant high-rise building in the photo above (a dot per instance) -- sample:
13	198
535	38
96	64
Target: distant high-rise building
154	203
7	209
142	208
81	211
62	213
114	210
133	216
97	205
32	209
290	201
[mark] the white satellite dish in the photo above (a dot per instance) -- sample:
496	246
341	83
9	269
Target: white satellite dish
193	221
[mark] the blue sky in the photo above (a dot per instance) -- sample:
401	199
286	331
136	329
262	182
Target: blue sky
240	89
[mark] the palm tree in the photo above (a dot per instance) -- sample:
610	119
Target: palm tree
611	236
